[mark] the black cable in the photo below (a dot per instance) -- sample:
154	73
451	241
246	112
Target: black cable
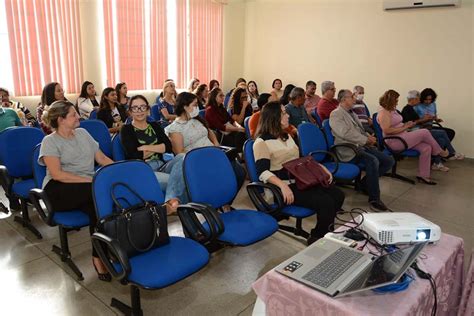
424	275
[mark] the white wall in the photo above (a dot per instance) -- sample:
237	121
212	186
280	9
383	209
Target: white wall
357	42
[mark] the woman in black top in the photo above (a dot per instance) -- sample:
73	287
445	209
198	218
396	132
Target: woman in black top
239	105
110	112
147	141
122	90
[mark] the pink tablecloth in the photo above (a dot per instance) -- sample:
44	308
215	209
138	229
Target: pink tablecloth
283	296
467	302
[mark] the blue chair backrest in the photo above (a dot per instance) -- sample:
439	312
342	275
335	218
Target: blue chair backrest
93	115
328	133
202	113
99	131
209	176
118	153
16	149
155	112
311	139
378	131
39	171
246	126
138	175
315	115
250	160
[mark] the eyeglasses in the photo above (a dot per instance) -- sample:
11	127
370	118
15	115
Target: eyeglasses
139	108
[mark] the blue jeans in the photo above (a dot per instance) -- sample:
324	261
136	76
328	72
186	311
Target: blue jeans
442	139
376	164
171	178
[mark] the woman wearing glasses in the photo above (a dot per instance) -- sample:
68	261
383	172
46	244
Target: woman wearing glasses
147	141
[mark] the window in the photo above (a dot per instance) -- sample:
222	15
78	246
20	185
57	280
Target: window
148	41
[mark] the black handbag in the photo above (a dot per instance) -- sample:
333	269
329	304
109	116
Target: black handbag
137	228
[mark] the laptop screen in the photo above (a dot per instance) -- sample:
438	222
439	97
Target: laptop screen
386	268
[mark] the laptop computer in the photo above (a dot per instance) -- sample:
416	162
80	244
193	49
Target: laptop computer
337	270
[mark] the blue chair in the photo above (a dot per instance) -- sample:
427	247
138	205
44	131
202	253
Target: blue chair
211	181
202	114
313	143
246	126
16	175
118	153
154	269
99	131
155	112
397	155
65	220
93	115
315	115
278	210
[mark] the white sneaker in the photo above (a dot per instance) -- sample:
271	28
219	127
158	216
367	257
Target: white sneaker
439	167
457	156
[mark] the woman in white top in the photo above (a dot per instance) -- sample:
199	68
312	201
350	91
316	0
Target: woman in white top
87	100
252	91
277	92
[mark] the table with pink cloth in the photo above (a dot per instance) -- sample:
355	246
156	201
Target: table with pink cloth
467	302
443	260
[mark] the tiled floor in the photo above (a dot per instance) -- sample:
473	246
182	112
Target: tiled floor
33	279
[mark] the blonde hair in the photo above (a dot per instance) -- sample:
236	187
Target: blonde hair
52	113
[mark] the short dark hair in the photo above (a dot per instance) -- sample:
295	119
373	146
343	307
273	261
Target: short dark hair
135	97
4	90
263	99
426	93
183	99
274	81
342	94
310	83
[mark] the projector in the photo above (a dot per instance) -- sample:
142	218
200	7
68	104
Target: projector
397	228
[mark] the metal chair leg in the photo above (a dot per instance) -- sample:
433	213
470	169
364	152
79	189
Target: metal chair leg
24	220
395	175
135	309
64	253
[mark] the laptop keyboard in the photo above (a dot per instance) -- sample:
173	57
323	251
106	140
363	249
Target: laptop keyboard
331	268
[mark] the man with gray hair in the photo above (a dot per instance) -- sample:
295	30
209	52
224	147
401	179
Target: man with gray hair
327	104
361	110
347	128
295	108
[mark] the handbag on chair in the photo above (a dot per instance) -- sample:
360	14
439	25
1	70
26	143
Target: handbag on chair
137	228
307	173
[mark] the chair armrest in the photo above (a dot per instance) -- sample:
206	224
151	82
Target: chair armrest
330	154
5	180
46	214
396	152
192	226
255	189
438	124
352	147
104	245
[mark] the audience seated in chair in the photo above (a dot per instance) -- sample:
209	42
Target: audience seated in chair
87	100
147	141
311	98
391	123
213	84
252	91
189	131
51	92
24	114
440	135
347	128
166	103
202	93
295	108
272	148
285	98
8	118
122	98
360	109
276	91
233	134
110	111
193	84
242	83
69	154
328	103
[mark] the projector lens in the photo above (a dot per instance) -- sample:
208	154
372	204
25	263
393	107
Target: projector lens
422	234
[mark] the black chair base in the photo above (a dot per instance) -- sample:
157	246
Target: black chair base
64	253
135	309
25	222
297	230
3	208
402	178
